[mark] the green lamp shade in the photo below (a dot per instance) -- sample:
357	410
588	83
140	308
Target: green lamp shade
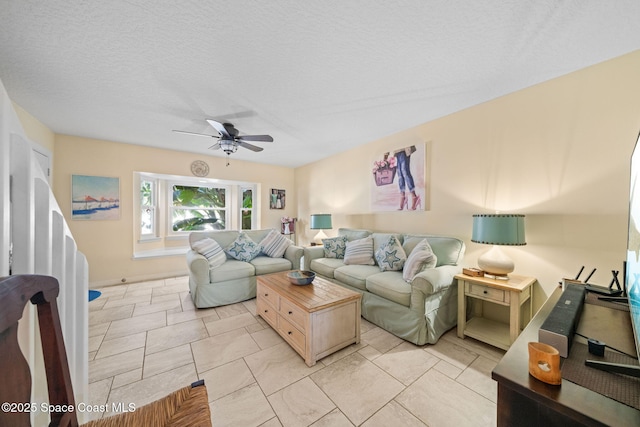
320	221
498	229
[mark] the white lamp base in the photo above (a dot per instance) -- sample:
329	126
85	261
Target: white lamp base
496	264
318	237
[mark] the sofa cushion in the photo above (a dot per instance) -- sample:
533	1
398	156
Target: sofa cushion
211	250
355	275
243	248
266	265
390	285
326	266
449	250
353	233
232	269
275	244
335	247
359	252
420	258
390	256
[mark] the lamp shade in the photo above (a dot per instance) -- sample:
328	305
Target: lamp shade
498	229
320	221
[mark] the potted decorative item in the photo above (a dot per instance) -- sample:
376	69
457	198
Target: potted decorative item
288	225
384	171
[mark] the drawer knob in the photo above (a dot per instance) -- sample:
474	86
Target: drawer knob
290	312
266	295
289	332
266	311
486	292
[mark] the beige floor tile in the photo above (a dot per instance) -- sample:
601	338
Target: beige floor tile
250	305
246	407
97	303
266	338
110	314
273	422
334	418
369	352
127	300
380	339
106	367
98	329
231	310
227	379
221	349
207	315
448	369
121	344
127	378
172	288
94	342
187	301
157	299
134	325
136	290
113	291
478	378
439	401
142	309
452	352
155	387
393	414
175	335
375	387
150	284
300	404
167	360
406	362
478	347
98	394
221	326
276	367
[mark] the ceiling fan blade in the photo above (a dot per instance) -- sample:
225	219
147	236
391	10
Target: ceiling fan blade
220	128
249	146
256	138
194	133
215	146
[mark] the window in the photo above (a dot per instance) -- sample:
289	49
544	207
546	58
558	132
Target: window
148	208
246	210
198	208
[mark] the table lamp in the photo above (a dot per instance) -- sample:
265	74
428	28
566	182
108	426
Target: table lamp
320	222
498	229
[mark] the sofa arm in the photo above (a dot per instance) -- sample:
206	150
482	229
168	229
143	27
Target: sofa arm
311	253
434	280
198	267
294	254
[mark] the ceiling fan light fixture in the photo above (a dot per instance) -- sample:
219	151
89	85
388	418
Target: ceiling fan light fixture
228	146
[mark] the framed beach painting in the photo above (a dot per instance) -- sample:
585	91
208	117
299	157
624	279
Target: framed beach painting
95	197
398	181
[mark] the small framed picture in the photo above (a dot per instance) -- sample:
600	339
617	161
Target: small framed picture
277	199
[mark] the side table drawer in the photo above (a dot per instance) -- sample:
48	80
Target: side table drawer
292	313
267	312
486	292
292	335
267	294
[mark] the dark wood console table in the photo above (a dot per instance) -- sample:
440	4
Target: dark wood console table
525	401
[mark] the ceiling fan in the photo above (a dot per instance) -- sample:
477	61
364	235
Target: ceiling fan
229	139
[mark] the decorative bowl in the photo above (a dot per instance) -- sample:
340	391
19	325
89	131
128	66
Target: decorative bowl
301	277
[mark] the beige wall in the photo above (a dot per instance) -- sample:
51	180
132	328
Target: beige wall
557	152
108	245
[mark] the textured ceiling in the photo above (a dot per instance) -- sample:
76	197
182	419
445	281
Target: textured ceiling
320	77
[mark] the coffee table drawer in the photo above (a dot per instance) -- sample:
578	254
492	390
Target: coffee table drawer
267	294
292	313
267	312
290	333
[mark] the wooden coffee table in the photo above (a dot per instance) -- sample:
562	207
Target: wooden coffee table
316	320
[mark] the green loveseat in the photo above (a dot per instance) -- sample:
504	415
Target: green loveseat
419	311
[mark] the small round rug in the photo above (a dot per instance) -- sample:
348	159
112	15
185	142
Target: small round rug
94	294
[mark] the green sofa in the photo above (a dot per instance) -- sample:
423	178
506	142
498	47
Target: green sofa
420	311
234	280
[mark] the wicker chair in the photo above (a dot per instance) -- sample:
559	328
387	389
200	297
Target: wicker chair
185	407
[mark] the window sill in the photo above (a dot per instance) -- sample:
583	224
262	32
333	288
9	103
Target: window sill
157	253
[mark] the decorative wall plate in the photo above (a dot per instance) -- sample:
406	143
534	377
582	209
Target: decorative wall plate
199	168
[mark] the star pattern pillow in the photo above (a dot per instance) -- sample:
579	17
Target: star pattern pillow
243	248
335	247
390	256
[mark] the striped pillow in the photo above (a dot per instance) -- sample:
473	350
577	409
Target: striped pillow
275	244
211	250
359	252
420	258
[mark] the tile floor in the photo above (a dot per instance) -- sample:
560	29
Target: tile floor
147	339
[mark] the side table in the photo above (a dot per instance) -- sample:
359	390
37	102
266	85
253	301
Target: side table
512	293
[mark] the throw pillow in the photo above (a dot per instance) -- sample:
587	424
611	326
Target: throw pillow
421	257
275	244
391	256
334	247
359	252
243	248
211	250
